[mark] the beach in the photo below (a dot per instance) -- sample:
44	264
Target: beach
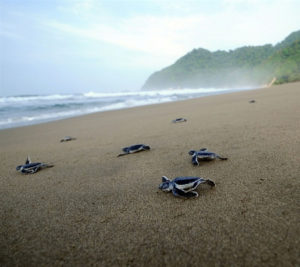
95	209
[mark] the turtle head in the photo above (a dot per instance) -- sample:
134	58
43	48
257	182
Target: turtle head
166	184
146	147
192	152
19	168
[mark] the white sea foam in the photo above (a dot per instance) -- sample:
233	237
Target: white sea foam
24	120
157	93
25	98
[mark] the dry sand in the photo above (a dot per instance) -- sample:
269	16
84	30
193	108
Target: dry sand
93	208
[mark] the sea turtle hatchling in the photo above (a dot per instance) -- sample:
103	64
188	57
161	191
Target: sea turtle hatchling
183	186
30	167
134	149
204	155
179	120
67	138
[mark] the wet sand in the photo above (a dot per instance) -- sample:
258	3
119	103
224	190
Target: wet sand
93	208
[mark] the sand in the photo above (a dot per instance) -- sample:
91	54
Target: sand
93	208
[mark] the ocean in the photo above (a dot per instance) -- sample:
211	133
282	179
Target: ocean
22	110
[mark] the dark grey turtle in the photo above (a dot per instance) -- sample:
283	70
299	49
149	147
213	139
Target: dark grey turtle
134	149
30	167
252	101
179	120
183	186
67	138
204	155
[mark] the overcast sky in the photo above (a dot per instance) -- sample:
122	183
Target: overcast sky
73	46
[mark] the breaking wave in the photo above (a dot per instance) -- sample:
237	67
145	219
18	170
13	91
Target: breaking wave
31	109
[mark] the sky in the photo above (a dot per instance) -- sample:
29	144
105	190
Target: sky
76	46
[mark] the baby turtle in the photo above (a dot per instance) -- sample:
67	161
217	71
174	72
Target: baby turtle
252	101
134	149
30	167
179	120
183	186
204	155
67	138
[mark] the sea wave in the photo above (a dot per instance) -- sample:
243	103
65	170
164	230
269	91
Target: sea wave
31	98
71	97
167	92
24	120
16	119
37	115
31	109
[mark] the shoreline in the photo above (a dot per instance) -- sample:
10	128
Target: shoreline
93	208
230	91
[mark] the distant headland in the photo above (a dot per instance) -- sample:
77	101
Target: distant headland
243	67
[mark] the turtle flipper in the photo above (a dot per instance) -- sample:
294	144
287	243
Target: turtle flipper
210	182
195	185
219	157
165	179
45	165
123	154
179	193
28	160
195	160
191	194
36	169
192	152
203	149
31	170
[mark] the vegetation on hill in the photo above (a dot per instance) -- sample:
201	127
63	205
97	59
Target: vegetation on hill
285	63
245	66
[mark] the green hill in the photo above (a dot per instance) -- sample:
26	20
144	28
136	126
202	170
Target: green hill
285	63
245	66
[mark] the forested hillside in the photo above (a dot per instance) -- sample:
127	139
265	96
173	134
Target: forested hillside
242	67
